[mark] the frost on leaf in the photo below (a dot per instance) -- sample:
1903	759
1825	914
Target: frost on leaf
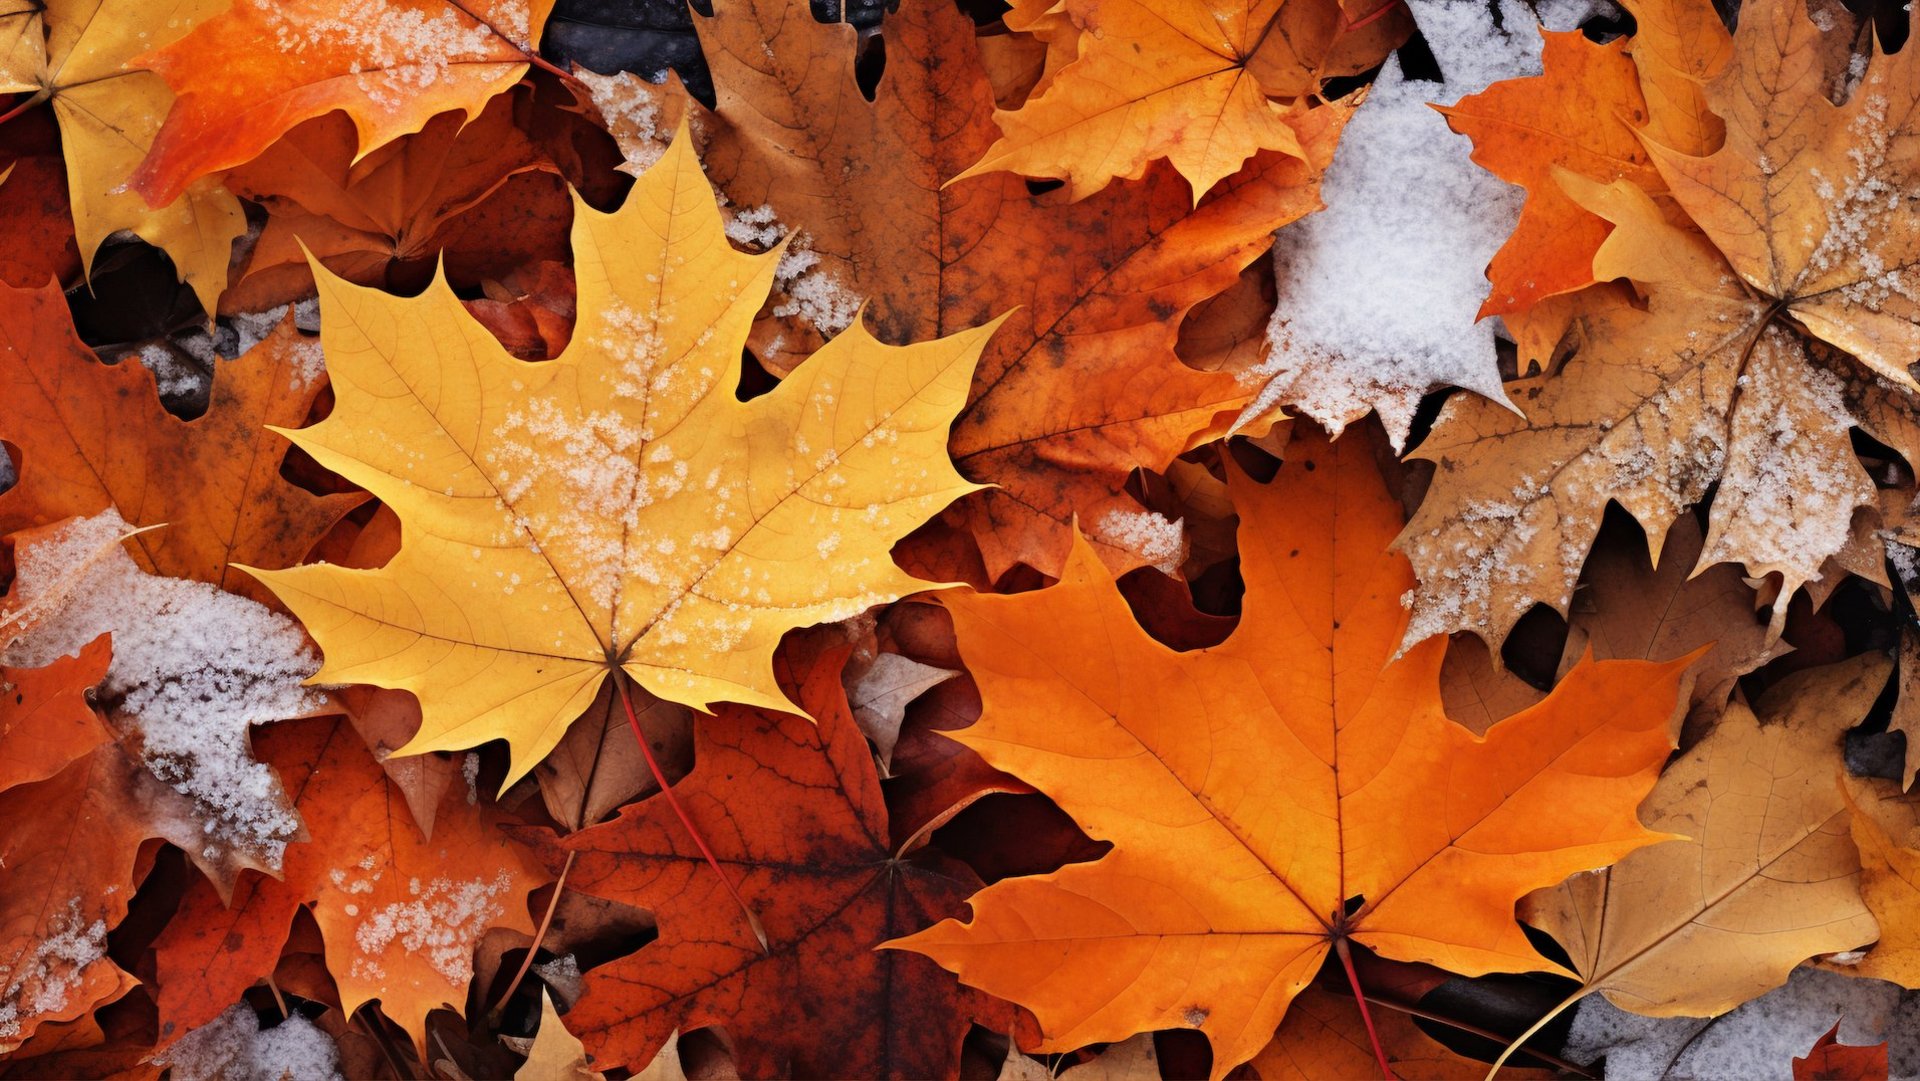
193	670
617	508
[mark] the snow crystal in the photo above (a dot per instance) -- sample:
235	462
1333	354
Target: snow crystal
1148	534
1791	486
470	772
174	375
404	46
562	977
233	1047
632	115
1757	1041
194	668
441	923
1378	292
812	293
41	982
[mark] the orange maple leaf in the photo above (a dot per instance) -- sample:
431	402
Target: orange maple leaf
245	77
1202	85
400	914
92	436
1283	792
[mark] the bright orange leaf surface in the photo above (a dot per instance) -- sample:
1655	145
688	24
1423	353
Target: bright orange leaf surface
1292	788
93	436
400	914
246	76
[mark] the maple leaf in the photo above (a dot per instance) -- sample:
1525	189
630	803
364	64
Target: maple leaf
1765	878
618	508
1188	81
1654	407
1052	421
1626	607
1264	796
70	843
45	719
793	813
73	54
384	217
1678	47
1830	1060
247	75
1580	114
38	242
1806	198
556	1054
93	436
400	914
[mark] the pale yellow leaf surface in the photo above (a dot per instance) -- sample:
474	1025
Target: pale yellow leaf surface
617	508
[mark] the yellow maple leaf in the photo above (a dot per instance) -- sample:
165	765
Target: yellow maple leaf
1204	87
617	508
72	53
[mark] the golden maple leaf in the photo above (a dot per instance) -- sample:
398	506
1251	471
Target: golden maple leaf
617	508
1811	202
1763	878
1188	81
72	53
1251	789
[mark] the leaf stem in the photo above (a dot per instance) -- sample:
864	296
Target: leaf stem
24	104
1360	1000
1471	1029
532	54
1534	1028
666	789
539	935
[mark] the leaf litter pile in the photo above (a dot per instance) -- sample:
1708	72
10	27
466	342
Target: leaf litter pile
1092	538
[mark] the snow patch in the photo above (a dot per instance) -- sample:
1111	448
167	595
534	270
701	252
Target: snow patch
233	1047
440	923
1378	292
563	977
195	668
1158	541
42	982
812	292
632	114
1759	1040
